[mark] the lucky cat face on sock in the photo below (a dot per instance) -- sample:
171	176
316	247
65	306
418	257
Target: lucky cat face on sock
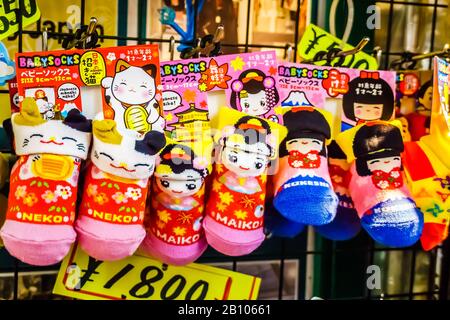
134	85
126	154
34	135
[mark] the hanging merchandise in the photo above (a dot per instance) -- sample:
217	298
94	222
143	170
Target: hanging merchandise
7	66
346	224
189	88
389	215
235	208
427	167
175	233
44	181
302	185
413	101
187	38
127	75
111	214
353	96
277	225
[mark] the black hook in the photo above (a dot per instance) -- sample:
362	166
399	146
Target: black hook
86	37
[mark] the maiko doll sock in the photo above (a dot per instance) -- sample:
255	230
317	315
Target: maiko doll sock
234	222
43	184
346	224
303	189
111	214
380	196
174	232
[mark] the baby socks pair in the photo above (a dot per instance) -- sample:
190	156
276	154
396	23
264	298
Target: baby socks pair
234	222
377	187
174	224
302	185
346	224
41	207
111	214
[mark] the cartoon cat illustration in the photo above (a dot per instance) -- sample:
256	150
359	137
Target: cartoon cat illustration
131	95
42	203
49	143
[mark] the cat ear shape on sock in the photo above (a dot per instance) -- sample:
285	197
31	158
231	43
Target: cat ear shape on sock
33	134
125	153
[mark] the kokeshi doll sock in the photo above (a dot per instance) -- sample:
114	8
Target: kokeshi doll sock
111	214
377	186
346	224
303	189
274	223
43	184
175	233
279	226
234	222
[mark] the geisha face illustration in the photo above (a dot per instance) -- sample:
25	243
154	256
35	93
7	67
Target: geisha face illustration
386	164
304	145
255	104
254	93
184	184
247	160
368	112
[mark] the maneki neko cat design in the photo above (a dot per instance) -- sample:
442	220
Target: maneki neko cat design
41	206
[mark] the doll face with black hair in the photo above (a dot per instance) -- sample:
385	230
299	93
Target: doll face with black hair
183	184
425	98
304	145
386	164
367	111
246	160
254	92
368	99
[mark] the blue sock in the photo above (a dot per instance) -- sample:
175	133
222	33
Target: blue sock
345	225
394	228
307	200
278	225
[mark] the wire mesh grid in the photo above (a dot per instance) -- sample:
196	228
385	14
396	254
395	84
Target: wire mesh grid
297	249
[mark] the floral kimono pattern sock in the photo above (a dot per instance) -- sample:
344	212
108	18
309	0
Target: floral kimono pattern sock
234	222
110	222
43	190
174	232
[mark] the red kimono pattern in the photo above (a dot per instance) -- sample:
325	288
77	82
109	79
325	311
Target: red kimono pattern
44	189
237	202
177	221
113	199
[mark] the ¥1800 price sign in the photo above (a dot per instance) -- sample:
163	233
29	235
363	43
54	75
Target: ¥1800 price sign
139	277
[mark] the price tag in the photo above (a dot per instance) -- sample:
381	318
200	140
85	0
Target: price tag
318	42
9	15
141	278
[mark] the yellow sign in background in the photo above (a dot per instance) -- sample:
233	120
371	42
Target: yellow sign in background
141	278
316	40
